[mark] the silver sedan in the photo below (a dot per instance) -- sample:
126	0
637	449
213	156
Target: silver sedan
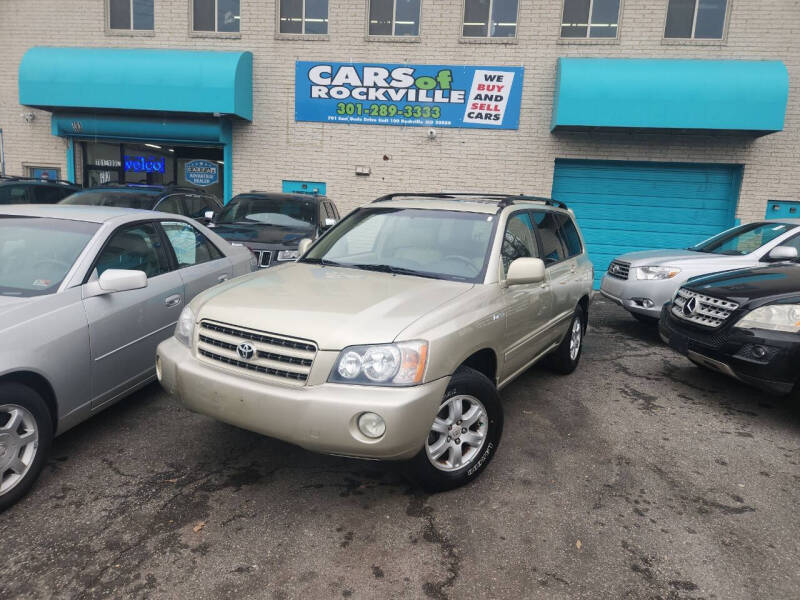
86	295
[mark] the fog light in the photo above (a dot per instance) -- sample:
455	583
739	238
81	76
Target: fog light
759	351
644	302
371	425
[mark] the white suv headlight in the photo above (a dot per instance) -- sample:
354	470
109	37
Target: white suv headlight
184	329
651	273
287	255
398	364
777	317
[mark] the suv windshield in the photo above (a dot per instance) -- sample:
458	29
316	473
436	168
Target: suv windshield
742	240
35	253
279	212
118	198
442	244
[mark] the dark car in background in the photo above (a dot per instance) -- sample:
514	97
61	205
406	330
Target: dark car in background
272	225
743	323
186	201
29	190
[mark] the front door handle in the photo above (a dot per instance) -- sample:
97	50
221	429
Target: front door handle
223	277
171	301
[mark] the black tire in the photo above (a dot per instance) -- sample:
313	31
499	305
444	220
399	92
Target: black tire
561	360
644	319
469	383
21	395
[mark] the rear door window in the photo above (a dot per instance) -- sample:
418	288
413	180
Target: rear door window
14	194
190	246
569	236
196	206
547	226
172	204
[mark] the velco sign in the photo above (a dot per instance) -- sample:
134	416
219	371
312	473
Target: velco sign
413	95
202	172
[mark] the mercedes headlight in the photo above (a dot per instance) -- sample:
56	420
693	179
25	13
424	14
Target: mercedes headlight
287	255
398	364
654	273
184	329
777	317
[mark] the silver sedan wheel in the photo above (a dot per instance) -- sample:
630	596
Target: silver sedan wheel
458	433
19	440
575	339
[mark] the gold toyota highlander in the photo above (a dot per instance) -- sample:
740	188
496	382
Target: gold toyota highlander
392	334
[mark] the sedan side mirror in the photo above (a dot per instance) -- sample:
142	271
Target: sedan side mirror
303	246
779	253
525	270
116	280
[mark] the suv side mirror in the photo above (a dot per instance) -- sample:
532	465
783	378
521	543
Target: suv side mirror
525	270
116	280
779	253
303	246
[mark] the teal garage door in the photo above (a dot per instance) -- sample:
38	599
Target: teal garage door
627	206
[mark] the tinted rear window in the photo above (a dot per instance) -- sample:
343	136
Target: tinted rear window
118	198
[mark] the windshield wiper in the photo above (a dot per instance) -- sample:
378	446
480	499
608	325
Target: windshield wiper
324	262
393	270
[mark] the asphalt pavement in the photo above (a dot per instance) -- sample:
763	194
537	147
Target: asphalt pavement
638	476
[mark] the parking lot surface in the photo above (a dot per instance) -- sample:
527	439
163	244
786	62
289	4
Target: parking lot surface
639	476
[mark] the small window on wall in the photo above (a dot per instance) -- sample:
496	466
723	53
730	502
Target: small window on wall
221	16
590	19
394	17
490	18
51	173
130	15
303	17
696	19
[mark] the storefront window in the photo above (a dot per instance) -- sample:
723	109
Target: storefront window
216	15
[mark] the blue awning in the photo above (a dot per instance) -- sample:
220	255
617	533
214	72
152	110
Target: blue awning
175	81
714	95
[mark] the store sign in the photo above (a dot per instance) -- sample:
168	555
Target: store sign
144	164
410	95
202	172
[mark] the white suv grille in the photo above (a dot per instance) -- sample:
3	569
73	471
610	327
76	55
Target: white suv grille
702	310
619	269
270	356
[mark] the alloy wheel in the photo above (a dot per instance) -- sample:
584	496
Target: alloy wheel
575	339
458	433
19	441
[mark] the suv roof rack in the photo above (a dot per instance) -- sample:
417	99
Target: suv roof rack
42	179
502	200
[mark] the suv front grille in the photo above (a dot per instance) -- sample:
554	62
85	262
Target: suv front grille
275	357
264	257
704	310
619	269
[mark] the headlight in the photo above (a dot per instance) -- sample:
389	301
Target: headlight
651	273
287	255
384	364
184	330
777	317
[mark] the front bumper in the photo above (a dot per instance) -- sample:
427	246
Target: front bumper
733	351
321	417
645	297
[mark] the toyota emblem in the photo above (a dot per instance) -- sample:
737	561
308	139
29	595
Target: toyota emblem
690	307
245	350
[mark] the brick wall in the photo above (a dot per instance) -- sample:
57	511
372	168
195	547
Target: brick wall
273	147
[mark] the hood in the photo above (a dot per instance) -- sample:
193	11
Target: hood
746	285
332	306
673	257
262	234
